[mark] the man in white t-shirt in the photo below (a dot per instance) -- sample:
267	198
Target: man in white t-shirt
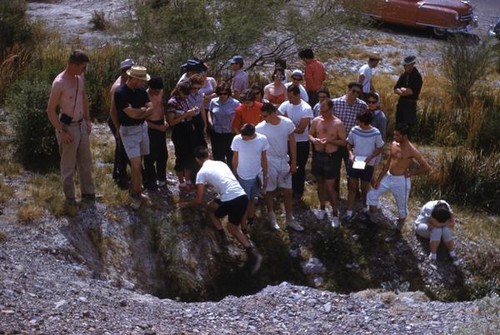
279	131
233	202
365	73
250	165
301	115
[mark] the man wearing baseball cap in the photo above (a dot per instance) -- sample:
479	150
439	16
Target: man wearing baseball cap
408	88
365	73
120	159
240	78
133	107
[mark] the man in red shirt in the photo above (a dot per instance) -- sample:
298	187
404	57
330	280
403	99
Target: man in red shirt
314	74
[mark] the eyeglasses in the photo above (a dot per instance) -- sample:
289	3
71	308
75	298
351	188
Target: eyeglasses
295	78
257	93
372	101
356	91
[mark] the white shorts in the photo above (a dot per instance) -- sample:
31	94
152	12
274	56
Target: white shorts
399	186
279	176
435	234
135	140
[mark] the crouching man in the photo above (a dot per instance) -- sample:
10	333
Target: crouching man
233	202
435	222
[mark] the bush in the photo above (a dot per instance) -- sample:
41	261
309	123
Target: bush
35	142
99	21
464	64
464	177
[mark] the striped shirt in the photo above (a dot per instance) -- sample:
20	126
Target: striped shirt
365	142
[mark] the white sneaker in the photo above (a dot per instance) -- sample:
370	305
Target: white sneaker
294	225
335	222
320	214
273	221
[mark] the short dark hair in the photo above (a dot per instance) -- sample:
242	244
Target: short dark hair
306	53
247	129
258	87
372	95
201	152
155	83
293	89
403	129
325	90
365	117
223	87
354	84
247	95
78	57
441	212
268	108
327	102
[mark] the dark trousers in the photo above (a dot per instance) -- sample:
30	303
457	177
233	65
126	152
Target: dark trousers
221	147
406	112
344	156
155	164
199	131
299	177
313	98
121	159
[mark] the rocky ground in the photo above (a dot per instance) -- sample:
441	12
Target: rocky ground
47	288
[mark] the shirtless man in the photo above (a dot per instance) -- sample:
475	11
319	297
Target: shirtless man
396	173
327	133
73	128
155	164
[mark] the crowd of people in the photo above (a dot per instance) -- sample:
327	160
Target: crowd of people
260	141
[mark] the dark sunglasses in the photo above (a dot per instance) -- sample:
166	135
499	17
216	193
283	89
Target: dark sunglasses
372	102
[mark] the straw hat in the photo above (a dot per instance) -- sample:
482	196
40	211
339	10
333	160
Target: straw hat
139	72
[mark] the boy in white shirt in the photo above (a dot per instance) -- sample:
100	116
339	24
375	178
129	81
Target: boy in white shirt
250	165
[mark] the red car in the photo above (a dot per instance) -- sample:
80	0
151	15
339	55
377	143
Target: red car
442	16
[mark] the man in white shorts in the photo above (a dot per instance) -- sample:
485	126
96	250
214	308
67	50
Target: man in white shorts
435	222
250	165
279	131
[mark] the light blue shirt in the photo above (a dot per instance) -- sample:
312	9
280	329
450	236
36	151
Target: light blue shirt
223	114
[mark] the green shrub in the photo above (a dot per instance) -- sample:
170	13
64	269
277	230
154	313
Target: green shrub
35	142
464	64
464	177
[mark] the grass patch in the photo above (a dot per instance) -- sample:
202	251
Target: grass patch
30	212
6	192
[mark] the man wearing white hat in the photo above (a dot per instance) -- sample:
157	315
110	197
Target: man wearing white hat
408	88
133	107
297	77
365	73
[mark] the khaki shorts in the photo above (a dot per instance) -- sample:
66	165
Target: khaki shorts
135	140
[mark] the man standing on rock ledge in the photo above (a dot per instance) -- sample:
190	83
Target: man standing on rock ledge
134	107
73	127
233	202
396	173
